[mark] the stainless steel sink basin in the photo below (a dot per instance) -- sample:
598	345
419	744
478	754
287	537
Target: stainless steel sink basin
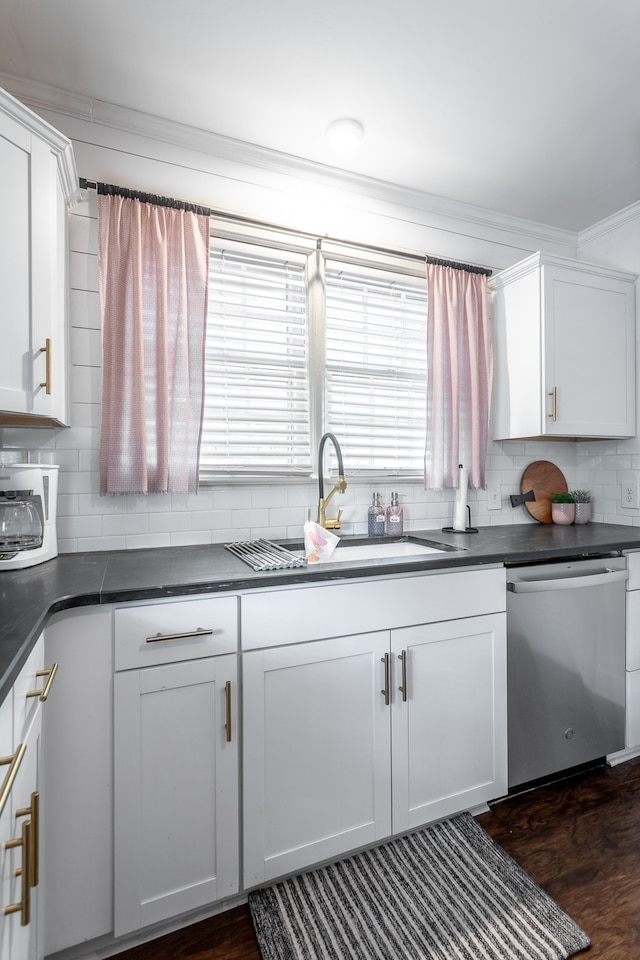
397	549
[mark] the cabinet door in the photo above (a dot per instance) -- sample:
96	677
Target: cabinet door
34	159
449	748
589	347
25	924
176	789
6	825
16	372
78	779
316	735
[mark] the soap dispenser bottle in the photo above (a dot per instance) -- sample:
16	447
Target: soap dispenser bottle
376	518
394	523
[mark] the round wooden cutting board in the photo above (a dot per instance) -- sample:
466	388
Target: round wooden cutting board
545	479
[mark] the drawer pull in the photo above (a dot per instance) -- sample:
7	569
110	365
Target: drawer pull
33	811
14	765
227	697
553	393
44	693
23	907
179	636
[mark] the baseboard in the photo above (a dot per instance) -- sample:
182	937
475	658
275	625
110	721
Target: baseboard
109	946
613	759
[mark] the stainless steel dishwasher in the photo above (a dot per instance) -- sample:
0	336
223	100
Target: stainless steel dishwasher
565	665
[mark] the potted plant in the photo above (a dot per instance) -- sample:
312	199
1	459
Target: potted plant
582	500
563	508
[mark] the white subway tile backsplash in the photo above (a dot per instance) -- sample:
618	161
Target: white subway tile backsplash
190	538
127	524
212	520
89	544
251	518
169	522
145	541
80	526
233	498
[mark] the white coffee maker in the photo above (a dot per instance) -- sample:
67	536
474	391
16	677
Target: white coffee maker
28	498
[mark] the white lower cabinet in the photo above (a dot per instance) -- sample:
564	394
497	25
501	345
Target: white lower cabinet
78	780
21	720
632	733
346	740
449	744
175	760
351	739
316	769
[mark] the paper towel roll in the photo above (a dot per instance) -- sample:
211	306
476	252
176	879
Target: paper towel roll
460	509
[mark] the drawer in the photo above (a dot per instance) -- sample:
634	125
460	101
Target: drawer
147	634
300	614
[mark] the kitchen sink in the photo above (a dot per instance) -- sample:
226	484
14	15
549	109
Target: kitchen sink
378	549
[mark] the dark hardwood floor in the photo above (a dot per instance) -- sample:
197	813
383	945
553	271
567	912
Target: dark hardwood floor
578	838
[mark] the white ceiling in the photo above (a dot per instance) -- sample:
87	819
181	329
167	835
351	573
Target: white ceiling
530	109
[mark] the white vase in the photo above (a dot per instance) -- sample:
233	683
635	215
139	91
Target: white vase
583	512
563	512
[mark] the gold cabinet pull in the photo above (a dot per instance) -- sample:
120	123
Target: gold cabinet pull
402	657
227	697
387	669
46	383
23	906
33	811
44	693
14	765
179	636
554	404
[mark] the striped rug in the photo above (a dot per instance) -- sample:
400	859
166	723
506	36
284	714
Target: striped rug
448	892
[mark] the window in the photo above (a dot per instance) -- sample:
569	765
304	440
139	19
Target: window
298	343
256	416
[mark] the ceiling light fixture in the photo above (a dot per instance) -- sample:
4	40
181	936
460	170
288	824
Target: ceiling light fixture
344	135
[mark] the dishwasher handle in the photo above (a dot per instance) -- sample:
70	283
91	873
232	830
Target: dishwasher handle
567	583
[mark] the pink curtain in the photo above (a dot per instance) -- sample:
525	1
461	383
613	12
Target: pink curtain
459	376
153	264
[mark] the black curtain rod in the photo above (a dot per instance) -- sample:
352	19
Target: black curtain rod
110	190
104	188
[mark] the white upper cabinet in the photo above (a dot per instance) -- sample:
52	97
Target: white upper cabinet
38	183
564	350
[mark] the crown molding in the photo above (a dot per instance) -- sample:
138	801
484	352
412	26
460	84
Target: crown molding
59	144
610	224
53	99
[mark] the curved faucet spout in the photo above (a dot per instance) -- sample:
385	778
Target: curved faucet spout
340	486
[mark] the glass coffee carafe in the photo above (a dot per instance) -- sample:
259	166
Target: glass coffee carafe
21	525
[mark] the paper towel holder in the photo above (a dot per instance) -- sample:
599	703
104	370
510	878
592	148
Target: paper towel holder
468	529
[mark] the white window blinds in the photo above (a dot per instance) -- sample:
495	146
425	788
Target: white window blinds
256	417
300	342
376	368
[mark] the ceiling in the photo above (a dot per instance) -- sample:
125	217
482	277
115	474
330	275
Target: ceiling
526	109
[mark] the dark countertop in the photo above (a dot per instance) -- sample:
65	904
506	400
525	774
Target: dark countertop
28	597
